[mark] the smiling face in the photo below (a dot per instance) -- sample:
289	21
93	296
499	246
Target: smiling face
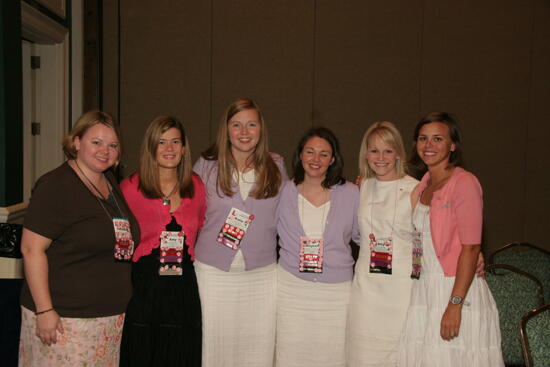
97	149
316	157
244	132
434	144
170	149
382	158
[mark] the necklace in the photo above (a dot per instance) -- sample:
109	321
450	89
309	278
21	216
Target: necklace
99	192
90	181
166	199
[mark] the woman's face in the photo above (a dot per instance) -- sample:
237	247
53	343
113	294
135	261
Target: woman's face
244	131
98	148
382	158
170	149
316	157
434	144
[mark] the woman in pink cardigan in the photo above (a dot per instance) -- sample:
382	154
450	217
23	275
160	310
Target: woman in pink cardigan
452	318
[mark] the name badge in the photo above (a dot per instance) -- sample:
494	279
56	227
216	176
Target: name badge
381	254
171	252
416	255
234	228
311	255
124	246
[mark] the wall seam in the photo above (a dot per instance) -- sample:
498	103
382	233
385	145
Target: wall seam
421	61
210	122
313	63
523	220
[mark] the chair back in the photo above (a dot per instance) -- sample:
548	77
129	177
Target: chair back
535	337
527	257
516	293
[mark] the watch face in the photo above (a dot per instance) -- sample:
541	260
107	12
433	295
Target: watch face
456	300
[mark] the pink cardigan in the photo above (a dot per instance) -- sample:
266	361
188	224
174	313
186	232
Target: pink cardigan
456	216
153	217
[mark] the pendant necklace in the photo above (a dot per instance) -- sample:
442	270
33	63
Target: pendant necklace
166	199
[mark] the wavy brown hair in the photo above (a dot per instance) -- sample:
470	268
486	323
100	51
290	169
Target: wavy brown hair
149	182
268	176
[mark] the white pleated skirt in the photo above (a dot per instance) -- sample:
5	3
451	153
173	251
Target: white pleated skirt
311	322
421	345
238	311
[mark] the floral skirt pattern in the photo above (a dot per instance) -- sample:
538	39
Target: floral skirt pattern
90	342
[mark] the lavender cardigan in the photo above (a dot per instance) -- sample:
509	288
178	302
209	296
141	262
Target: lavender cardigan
260	241
341	226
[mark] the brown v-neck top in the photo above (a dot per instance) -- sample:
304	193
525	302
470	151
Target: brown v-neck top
84	278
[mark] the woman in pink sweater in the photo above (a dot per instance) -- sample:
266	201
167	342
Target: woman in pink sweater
452	318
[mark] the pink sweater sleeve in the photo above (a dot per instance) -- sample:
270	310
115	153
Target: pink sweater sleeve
468	206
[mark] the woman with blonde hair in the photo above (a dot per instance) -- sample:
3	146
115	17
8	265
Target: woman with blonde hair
163	321
236	249
381	284
77	239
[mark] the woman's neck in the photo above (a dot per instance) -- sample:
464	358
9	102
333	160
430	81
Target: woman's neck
313	190
242	160
440	174
167	177
95	177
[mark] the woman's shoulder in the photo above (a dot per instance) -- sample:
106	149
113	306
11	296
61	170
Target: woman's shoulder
60	177
464	179
129	183
409	182
347	188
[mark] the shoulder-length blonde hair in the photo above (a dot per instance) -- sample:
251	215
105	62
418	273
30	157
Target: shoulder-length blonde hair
83	124
149	182
389	135
268	176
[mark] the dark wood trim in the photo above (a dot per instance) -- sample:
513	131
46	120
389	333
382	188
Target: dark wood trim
11	104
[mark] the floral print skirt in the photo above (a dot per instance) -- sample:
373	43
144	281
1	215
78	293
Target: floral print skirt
90	342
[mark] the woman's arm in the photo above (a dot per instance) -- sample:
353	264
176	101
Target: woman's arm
467	261
33	248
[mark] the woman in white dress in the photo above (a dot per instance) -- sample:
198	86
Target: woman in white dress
452	318
381	285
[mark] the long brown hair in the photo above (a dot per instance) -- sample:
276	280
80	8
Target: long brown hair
268	176
149	182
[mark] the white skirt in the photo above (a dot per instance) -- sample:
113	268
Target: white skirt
478	340
238	314
311	322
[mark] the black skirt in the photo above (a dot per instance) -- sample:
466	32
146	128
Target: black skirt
163	321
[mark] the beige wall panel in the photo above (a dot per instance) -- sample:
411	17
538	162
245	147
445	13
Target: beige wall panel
165	69
368	62
476	64
537	216
264	49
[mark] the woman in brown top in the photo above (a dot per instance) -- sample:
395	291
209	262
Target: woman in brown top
77	236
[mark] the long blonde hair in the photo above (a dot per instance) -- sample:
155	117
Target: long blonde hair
149	182
268	176
389	135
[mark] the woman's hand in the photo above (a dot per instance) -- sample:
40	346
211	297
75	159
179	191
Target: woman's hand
450	322
480	266
47	326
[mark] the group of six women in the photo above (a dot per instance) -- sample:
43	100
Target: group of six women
205	287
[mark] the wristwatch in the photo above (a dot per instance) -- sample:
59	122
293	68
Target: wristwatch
456	300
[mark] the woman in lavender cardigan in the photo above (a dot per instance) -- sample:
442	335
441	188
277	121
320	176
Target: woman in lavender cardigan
317	218
236	248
